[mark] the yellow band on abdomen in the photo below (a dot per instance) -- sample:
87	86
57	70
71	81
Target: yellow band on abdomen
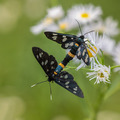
55	73
76	44
71	55
61	65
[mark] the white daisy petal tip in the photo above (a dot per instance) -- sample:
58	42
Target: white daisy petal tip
55	12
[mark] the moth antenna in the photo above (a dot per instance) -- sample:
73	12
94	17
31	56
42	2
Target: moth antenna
89	32
50	91
79	27
38	83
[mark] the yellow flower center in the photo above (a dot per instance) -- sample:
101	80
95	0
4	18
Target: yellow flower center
84	15
48	20
94	49
63	25
101	75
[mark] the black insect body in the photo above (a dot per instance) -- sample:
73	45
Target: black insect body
49	64
76	45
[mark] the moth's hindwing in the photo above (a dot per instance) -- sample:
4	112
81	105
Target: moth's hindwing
66	40
66	80
83	54
48	63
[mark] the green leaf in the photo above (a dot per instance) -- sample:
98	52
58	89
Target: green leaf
115	86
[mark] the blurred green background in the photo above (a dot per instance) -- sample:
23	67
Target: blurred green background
19	69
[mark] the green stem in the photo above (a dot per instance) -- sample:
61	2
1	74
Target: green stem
114	67
102	58
69	67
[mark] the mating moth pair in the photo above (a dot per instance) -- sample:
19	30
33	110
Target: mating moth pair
53	70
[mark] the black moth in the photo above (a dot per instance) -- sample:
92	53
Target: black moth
68	42
64	79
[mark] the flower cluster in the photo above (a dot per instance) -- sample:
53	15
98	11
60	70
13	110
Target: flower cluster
55	20
101	73
102	39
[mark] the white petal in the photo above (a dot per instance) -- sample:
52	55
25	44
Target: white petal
37	29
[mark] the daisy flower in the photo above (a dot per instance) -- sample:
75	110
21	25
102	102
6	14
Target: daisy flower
48	23
55	12
108	27
85	13
93	41
100	72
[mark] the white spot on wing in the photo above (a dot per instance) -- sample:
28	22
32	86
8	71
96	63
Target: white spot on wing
79	49
79	53
54	37
52	67
52	62
42	63
46	62
64	39
67	83
67	86
40	54
71	44
84	52
86	58
74	92
66	45
54	34
61	76
37	56
66	76
64	36
75	88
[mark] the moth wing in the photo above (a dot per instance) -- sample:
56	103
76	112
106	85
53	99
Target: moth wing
66	81
82	53
52	63
48	63
67	45
78	53
66	40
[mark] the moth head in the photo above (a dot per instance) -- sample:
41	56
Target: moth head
82	37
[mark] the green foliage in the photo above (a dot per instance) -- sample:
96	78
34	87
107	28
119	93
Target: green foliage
19	70
115	87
